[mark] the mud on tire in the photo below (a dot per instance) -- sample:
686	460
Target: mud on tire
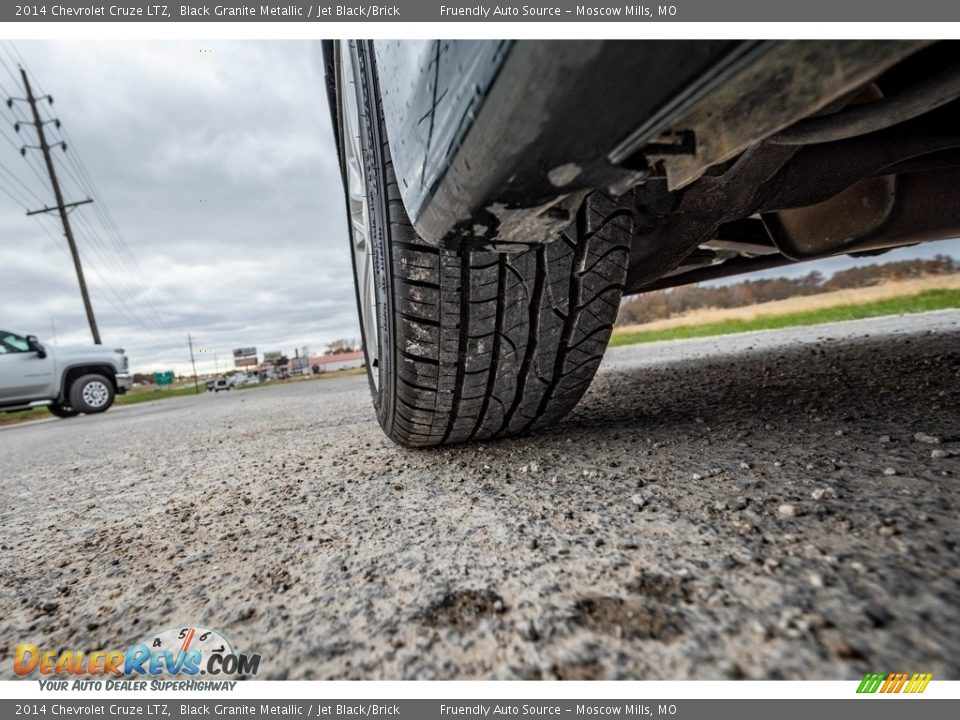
475	345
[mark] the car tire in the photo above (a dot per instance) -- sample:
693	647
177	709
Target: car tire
62	411
91	394
466	345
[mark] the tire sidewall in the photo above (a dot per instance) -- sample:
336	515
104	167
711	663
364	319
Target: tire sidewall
76	394
372	141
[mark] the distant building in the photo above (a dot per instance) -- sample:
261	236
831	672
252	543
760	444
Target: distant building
340	361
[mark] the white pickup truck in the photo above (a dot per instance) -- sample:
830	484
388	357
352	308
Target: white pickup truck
66	380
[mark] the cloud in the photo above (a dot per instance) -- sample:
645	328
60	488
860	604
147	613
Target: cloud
220	171
216	160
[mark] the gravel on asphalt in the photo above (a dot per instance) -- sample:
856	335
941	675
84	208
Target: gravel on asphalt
718	508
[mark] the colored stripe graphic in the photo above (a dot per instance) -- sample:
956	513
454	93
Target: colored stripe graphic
870	683
918	683
894	683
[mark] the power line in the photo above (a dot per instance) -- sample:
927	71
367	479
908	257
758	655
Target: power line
86	183
22	187
22	184
18	149
103	211
70	173
120	306
120	261
110	260
115	236
17	121
9	72
61	206
123	308
18	201
115	263
122	257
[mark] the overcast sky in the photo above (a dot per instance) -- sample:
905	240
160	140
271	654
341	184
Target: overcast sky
216	160
219	169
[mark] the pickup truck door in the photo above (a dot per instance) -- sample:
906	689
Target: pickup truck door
24	375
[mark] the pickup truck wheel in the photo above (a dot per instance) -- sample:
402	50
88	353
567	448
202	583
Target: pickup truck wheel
466	345
91	394
62	411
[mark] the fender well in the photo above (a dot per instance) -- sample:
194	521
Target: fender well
72	372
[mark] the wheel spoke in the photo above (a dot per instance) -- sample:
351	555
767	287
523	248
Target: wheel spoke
359	234
359	199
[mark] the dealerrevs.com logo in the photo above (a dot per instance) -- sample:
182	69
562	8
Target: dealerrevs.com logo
183	652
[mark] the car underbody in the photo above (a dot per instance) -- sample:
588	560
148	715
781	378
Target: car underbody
504	196
874	169
744	156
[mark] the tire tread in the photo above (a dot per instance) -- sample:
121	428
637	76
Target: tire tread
484	344
517	337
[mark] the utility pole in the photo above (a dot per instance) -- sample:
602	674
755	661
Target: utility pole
196	385
61	206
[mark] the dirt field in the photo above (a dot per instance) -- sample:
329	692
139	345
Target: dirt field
855	296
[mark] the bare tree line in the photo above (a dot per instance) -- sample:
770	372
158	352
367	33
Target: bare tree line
662	304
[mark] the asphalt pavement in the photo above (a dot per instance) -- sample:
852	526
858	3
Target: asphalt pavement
781	504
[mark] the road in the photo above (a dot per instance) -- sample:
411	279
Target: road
770	505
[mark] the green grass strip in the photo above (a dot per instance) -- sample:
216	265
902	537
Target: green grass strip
921	302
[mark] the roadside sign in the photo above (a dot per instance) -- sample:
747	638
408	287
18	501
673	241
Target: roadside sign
163	378
244	357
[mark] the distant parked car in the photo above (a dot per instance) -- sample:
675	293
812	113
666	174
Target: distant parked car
221	384
66	380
